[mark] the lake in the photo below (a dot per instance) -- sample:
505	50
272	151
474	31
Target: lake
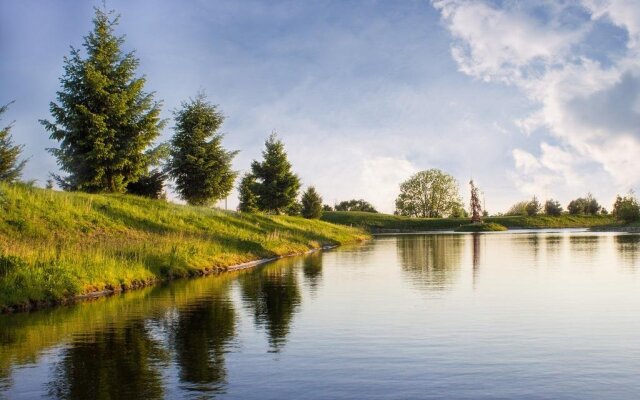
526	315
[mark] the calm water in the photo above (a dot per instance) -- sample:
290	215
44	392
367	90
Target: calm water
518	315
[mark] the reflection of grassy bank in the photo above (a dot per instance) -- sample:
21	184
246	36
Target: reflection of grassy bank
385	222
56	245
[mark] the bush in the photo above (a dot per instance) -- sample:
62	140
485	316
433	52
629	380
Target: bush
355	205
584	206
520	208
533	207
626	209
552	207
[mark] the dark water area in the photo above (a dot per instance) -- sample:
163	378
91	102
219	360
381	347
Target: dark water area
536	315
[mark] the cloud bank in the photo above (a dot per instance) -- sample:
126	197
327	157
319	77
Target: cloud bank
577	62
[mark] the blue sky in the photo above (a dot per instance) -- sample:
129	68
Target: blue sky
533	97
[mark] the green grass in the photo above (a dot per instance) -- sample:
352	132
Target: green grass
57	245
385	222
483	227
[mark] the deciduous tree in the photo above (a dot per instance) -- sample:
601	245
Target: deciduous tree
428	194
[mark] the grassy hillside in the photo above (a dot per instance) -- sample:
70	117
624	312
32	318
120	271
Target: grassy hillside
56	245
381	222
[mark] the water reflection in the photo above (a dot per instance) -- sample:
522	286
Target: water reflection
117	363
273	295
202	333
431	261
628	249
312	271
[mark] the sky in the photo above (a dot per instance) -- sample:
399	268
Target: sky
527	98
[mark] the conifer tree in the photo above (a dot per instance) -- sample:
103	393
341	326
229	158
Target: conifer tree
311	204
276	187
103	119
10	166
246	194
199	164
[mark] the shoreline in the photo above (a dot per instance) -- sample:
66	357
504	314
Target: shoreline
41	305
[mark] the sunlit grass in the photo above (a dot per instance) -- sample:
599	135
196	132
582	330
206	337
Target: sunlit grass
55	245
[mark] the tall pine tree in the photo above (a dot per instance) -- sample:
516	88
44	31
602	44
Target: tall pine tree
276	187
10	166
104	120
199	164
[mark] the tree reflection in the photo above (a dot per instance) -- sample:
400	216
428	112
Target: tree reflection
628	247
312	270
431	261
117	363
274	296
202	334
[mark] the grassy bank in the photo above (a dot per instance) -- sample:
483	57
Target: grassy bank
55	245
385	222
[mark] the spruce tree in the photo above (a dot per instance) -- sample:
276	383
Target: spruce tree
276	186
10	166
199	164
246	194
103	119
311	204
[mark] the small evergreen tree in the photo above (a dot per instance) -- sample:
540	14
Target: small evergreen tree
552	207
311	204
103	120
247	195
199	164
10	166
533	207
276	187
149	185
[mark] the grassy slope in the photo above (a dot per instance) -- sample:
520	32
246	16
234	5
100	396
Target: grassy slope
377	222
56	245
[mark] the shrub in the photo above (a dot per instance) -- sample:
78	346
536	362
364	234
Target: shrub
626	208
533	207
552	207
584	206
355	205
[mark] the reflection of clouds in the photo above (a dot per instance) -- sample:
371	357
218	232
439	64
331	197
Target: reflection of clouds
431	261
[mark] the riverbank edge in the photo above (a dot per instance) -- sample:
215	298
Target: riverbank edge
39	305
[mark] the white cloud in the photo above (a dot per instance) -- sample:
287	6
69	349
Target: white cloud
587	98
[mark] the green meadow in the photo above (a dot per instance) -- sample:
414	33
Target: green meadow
56	246
384	222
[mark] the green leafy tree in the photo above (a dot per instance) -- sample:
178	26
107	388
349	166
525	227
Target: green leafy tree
311	204
276	187
356	205
533	207
520	208
428	194
326	207
584	206
626	209
10	165
104	120
247	195
199	164
552	207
